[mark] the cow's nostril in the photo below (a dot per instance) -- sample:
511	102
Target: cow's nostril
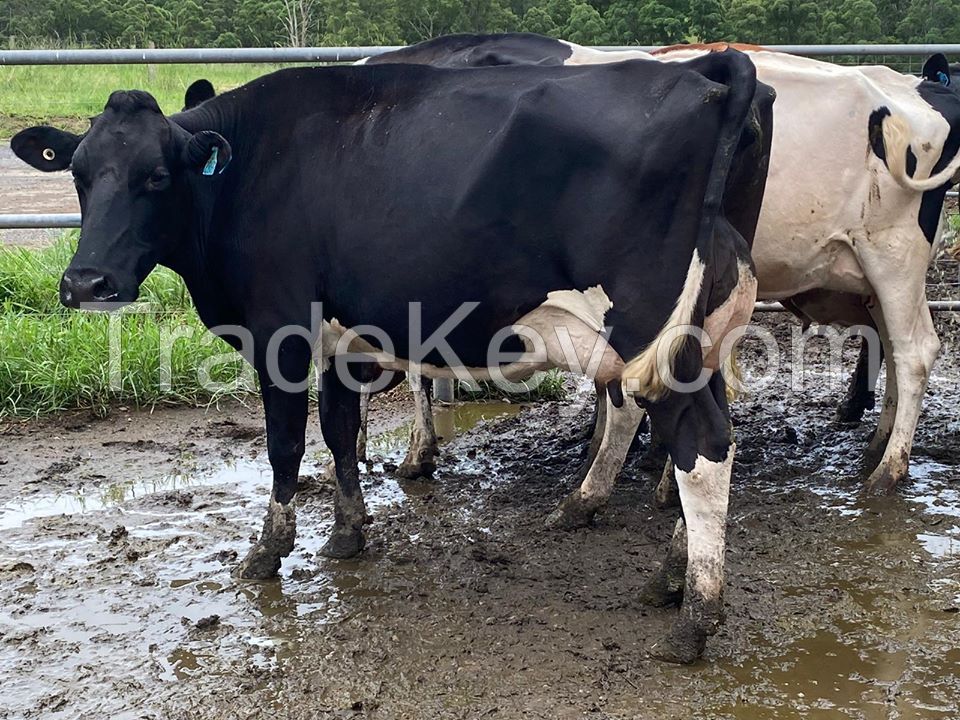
101	288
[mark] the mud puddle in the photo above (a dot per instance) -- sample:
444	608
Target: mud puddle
126	585
464	606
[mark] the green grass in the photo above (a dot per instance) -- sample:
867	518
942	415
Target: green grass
54	359
67	96
547	385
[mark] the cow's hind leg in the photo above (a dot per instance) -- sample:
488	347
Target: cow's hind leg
596	435
340	424
888	410
896	268
364	422
419	461
861	395
696	427
665	586
619	428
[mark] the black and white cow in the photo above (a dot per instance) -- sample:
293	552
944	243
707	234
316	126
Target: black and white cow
841	239
413	214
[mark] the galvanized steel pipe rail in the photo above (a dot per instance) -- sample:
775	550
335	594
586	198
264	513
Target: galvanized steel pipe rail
352	54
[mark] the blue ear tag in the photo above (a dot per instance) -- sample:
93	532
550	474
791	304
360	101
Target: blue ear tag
211	165
943	78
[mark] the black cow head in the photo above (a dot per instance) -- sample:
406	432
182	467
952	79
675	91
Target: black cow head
937	69
135	172
199	92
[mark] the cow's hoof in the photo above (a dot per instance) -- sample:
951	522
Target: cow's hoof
883	480
849	413
683	645
661	591
343	544
259	564
570	514
413	470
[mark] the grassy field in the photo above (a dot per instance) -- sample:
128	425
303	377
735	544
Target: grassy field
55	359
67	96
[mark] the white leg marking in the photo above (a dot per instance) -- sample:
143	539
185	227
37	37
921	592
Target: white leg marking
423	436
619	428
704	494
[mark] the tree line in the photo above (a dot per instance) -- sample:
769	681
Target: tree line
248	23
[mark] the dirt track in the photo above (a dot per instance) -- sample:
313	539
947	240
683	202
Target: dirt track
25	190
117	538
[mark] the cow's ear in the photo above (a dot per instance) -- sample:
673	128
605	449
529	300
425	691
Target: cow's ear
45	148
207	153
937	69
198	92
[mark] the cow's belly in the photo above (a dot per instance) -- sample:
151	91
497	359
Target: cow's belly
566	332
789	267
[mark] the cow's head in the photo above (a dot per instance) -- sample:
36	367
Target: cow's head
937	69
133	172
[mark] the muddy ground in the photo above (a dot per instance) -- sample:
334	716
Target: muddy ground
118	537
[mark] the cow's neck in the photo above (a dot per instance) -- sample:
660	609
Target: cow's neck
196	258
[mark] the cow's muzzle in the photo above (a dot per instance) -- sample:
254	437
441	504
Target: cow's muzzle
90	289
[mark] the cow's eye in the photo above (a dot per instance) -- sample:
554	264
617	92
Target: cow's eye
159	179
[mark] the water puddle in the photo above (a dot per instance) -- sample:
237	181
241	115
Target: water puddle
883	644
132	579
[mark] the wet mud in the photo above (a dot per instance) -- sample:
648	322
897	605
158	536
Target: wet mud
118	538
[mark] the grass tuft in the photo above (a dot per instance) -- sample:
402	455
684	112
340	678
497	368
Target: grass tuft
54	359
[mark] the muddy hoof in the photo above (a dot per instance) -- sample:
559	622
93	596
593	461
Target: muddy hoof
683	645
883	481
659	591
259	564
413	470
343	544
849	414
571	513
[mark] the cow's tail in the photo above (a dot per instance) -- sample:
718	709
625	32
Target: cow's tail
896	143
647	374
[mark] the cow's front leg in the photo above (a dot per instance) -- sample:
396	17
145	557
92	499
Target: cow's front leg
423	448
340	424
286	421
701	443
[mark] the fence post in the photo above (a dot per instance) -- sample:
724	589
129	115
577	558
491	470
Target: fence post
443	390
152	68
